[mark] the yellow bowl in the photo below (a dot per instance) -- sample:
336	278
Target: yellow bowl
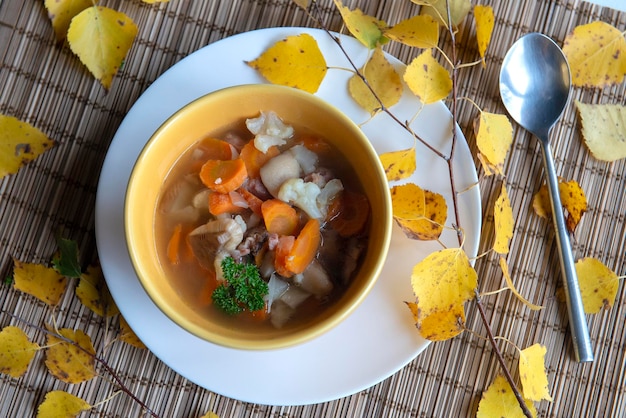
212	113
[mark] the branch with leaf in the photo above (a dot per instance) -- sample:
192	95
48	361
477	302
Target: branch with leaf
445	280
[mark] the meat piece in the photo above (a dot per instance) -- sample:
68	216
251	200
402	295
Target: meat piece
252	241
321	176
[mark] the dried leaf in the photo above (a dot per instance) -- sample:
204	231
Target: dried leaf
509	283
499	401
42	282
302	3
101	38
128	336
604	130
428	79
420	31
61	14
16	351
598	285
367	29
66	361
572	198
459	9
596	53
399	165
382	78
20	143
295	61
494	136
533	373
504	222
210	414
59	404
442	283
94	293
420	213
484	28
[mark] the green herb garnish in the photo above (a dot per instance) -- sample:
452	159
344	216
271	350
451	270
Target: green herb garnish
243	288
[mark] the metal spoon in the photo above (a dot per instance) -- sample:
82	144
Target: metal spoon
535	87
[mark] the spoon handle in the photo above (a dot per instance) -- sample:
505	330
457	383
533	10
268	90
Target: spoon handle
578	323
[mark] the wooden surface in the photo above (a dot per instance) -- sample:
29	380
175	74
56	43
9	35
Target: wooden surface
42	83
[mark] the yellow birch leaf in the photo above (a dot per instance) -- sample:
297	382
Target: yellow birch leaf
20	143
42	282
66	361
604	130
302	3
484	27
94	293
16	351
210	414
598	285
399	165
596	53
532	373
382	78
459	9
442	283
509	283
428	79
420	213
420	31
61	14
128	336
295	61
155	1
365	28
499	401
101	38
59	404
504	221
572	198
494	136
414	309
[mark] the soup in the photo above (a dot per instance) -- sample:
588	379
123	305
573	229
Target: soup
263	224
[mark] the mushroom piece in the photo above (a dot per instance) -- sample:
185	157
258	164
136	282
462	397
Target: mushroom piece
314	280
278	170
221	234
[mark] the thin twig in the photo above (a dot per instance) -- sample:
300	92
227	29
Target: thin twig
101	361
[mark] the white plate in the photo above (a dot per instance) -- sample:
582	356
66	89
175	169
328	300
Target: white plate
374	342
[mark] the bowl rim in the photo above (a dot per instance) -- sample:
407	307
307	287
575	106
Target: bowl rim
301	335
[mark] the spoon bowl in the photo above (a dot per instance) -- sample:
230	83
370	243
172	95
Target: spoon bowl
534	86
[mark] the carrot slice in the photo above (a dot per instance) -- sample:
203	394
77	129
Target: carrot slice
305	247
223	203
215	149
279	217
282	253
255	159
254	202
173	245
315	144
352	213
223	176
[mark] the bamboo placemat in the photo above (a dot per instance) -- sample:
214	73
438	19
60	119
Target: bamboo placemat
44	84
